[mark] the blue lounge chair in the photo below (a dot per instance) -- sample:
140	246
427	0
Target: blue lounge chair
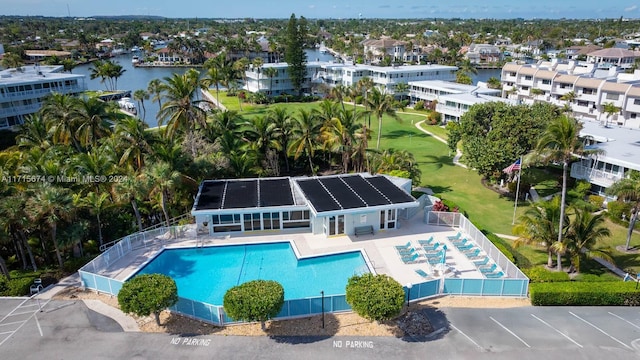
494	275
405	246
434	260
460	241
465	247
434	254
488	269
472	253
408	251
410	259
431	247
422	274
426	242
484	261
454	237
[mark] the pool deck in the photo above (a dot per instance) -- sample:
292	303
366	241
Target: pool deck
378	248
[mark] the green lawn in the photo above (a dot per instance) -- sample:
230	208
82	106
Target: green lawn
436	130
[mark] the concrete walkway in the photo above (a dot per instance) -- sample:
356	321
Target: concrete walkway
456	158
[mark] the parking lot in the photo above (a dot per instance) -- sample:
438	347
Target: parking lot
70	330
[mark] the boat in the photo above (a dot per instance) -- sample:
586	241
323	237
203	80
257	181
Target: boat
135	60
135	49
127	105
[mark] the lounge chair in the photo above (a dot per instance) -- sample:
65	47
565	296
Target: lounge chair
454	237
431	247
462	241
434	253
472	253
422	274
405	246
494	275
435	260
465	247
426	242
488	269
408	251
410	258
484	261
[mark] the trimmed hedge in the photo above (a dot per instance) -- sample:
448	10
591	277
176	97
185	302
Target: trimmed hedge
618	293
17	286
542	275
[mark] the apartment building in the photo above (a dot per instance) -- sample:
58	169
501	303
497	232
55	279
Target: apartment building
23	90
584	87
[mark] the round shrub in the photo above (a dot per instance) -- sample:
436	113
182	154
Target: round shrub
257	300
419	105
375	297
148	294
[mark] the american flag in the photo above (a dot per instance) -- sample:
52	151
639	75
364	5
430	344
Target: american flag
513	167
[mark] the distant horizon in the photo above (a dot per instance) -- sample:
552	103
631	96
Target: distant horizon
332	9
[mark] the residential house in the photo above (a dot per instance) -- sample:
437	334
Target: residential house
606	58
483	54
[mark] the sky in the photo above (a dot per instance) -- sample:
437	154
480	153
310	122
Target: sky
335	9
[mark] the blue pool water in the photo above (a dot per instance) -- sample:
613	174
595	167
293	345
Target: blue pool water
205	274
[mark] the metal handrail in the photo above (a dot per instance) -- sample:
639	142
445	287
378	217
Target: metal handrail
172	222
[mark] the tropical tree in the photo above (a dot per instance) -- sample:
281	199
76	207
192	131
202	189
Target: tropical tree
585	231
60	112
133	141
33	133
140	96
270	72
148	294
402	89
494	83
610	109
94	120
381	104
163	181
341	134
569	98
156	88
305	131
96	204
628	189
560	142
539	226
214	76
284	122
262	133
294	53
131	189
50	205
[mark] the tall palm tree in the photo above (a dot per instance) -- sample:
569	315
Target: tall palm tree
340	134
402	89
213	77
628	189
284	122
569	98
226	121
338	93
14	220
163	181
94	121
263	134
33	133
560	142
306	129
539	225
50	205
133	141
366	84
156	88
61	113
131	189
97	204
381	104
140	96
610	109
96	164
182	108
584	232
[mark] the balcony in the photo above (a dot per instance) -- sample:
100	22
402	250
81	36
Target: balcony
594	176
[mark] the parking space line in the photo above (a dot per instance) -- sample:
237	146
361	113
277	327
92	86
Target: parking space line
509	331
467	336
556	330
623	319
11	323
6	332
33	314
602	331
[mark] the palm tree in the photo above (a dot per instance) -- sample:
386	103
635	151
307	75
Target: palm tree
569	97
340	134
140	96
156	88
366	84
263	134
96	164
560	142
539	225
94	121
33	133
163	180
14	220
584	232
60	112
306	129
134	141
226	121
610	109
281	117
494	83
338	93
50	205
131	190
213	77
181	109
97	204
401	89
381	104
628	189
270	72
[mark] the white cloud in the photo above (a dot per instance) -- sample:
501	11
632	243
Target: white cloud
631	8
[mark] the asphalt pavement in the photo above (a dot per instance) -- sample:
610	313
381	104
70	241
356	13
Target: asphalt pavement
70	330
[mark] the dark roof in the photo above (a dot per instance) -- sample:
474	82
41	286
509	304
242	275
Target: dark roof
238	194
351	192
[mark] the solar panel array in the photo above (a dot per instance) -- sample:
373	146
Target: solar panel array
351	192
239	194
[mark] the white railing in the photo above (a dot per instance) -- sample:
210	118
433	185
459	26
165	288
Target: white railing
162	224
592	175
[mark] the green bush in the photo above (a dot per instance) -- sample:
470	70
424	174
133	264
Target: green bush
17	286
542	275
148	294
591	278
419	105
504	248
257	300
375	297
581	189
72	265
4	284
618	208
596	201
571	293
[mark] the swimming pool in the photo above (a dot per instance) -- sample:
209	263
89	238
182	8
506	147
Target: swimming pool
205	274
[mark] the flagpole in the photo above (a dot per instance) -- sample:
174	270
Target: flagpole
515	207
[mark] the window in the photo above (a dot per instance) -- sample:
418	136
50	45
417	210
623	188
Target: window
226	222
528	77
611	96
546	82
588	91
295	219
636	101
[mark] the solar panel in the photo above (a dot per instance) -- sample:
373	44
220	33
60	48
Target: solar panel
317	195
394	193
275	192
210	195
241	194
345	196
367	192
